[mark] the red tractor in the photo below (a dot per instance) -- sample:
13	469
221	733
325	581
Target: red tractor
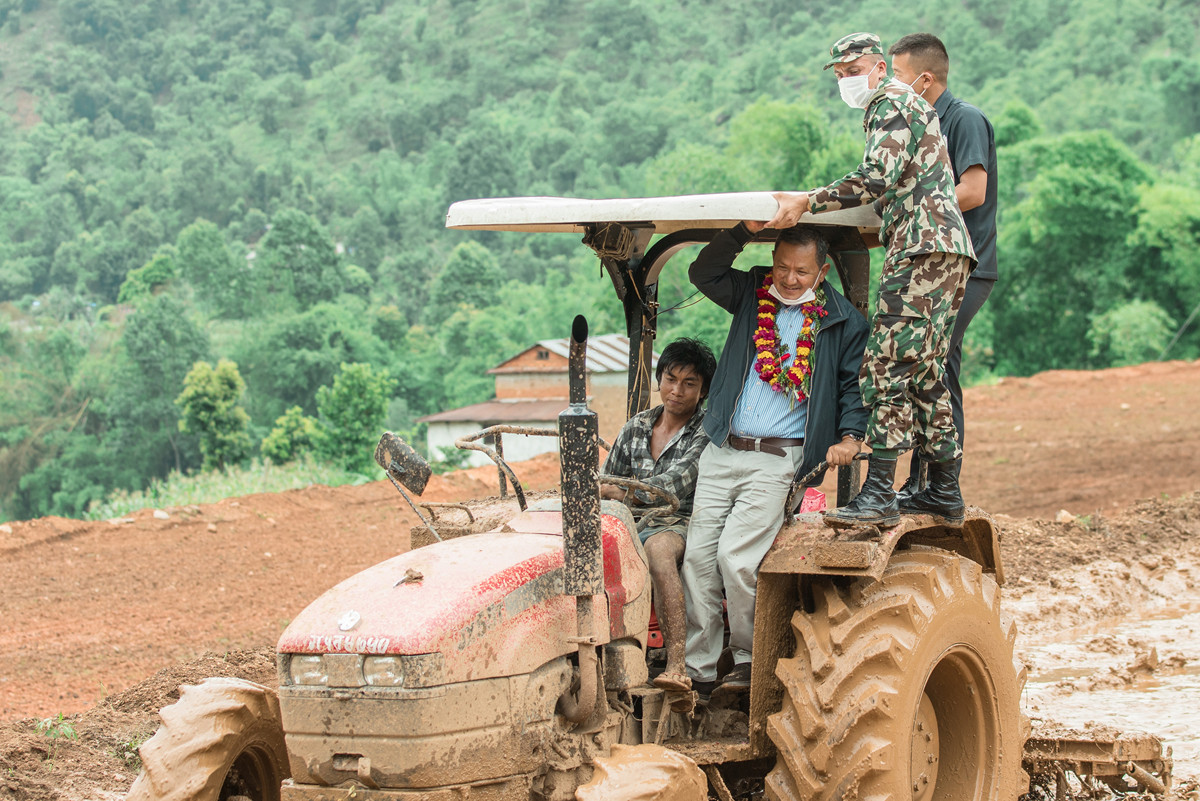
500	664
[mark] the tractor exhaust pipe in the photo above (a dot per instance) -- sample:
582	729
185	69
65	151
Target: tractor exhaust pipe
579	455
583	555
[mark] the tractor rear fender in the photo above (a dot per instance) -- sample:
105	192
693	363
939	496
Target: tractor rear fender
809	547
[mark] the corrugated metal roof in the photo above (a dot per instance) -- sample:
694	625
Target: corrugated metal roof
501	411
607	353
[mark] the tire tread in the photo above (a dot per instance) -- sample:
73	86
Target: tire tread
852	659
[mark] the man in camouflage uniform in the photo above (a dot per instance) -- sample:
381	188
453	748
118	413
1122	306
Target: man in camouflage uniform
906	170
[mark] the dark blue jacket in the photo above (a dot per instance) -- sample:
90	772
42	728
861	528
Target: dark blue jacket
835	406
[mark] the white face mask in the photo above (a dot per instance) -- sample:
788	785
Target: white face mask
856	90
805	298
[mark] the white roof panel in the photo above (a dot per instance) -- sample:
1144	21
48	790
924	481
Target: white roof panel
665	214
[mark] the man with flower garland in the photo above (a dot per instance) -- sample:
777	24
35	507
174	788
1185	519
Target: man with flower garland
906	171
785	397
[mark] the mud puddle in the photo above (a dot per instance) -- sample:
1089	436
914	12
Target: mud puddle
1139	672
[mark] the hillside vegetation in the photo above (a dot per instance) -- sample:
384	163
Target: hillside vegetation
265	183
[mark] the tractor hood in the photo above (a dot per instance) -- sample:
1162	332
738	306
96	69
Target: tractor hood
489	604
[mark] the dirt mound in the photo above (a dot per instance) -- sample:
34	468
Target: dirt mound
28	533
94	754
538	473
1150	531
1082	441
162	688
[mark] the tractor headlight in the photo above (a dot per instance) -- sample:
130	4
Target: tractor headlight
308	670
383	671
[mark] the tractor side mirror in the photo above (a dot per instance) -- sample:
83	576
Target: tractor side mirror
402	463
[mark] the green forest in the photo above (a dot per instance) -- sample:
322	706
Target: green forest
221	223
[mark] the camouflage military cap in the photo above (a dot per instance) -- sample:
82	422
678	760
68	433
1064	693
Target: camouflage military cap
853	47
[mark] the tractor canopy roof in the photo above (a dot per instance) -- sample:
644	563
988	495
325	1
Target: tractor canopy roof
659	215
623	231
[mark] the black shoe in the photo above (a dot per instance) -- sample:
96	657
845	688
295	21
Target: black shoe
738	678
942	498
875	503
703	690
912	484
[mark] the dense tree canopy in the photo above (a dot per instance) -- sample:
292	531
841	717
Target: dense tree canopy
267	182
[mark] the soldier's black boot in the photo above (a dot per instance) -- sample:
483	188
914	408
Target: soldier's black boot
875	503
912	484
942	498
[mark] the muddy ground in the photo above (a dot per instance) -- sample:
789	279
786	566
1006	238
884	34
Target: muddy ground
103	621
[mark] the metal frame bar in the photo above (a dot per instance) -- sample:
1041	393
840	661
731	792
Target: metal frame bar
469	442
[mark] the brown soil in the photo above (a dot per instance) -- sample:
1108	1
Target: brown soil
1083	441
91	609
1148	530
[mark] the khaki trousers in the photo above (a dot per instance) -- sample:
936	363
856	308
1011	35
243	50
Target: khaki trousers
737	511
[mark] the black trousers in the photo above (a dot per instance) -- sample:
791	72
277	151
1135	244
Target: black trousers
977	293
975	296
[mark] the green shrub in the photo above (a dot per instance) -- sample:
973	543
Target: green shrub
1131	333
353	412
141	282
58	728
209	403
294	434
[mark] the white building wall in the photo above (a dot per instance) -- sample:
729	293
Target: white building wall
517	448
619	380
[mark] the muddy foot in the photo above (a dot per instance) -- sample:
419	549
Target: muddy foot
673	680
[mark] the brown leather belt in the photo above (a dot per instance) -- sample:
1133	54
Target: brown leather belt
772	445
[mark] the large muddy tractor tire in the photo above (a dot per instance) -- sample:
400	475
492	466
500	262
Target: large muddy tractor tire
902	688
222	740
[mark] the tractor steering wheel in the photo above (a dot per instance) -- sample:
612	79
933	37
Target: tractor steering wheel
651	512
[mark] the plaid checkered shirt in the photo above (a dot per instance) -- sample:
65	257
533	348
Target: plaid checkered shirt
676	467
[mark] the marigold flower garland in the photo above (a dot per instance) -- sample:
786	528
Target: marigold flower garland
771	353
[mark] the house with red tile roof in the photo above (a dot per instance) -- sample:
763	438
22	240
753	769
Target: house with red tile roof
531	390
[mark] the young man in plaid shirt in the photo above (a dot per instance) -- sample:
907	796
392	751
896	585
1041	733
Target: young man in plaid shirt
661	446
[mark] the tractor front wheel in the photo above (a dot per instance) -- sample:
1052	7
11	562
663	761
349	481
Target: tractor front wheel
902	688
222	740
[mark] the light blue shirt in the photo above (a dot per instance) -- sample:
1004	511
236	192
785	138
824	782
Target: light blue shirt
761	411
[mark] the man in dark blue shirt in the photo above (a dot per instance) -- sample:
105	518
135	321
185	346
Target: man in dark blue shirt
920	60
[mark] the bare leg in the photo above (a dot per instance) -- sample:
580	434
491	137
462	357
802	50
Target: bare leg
664	551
